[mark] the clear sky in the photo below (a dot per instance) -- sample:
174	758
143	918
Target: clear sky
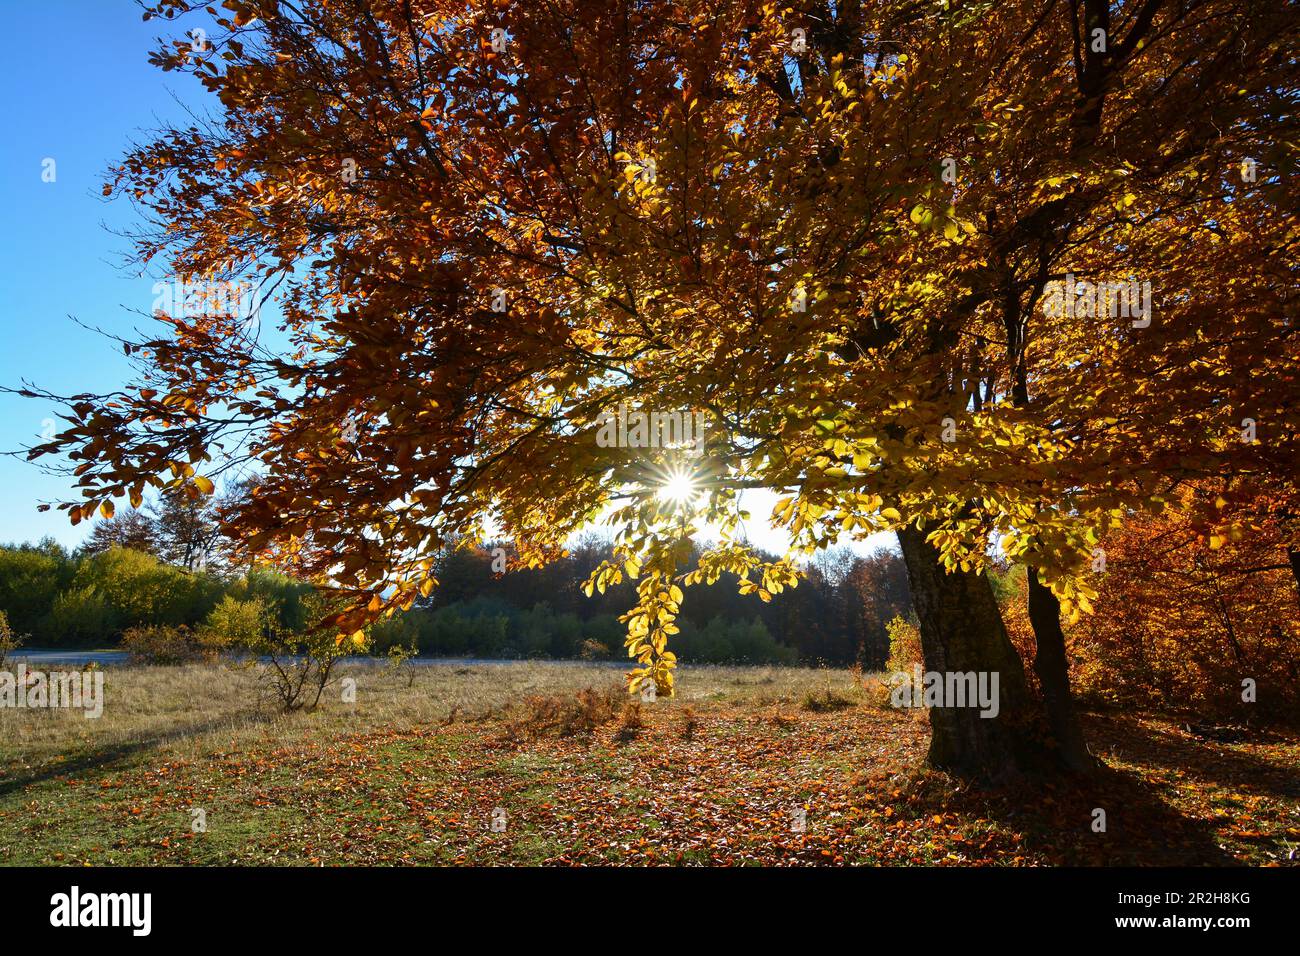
76	88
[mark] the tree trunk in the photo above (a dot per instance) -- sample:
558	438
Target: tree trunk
1045	611
1293	554
1054	676
962	631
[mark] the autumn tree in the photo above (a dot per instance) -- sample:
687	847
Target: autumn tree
825	232
1186	621
1128	210
1058	203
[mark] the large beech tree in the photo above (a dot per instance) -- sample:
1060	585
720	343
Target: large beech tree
828	229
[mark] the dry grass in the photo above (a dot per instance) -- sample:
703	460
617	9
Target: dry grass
414	770
188	710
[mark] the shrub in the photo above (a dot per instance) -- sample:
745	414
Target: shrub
236	623
1179	623
120	589
81	617
402	630
825	702
31	577
565	716
9	641
399	657
275	619
165	644
632	722
904	645
877	691
690	723
297	664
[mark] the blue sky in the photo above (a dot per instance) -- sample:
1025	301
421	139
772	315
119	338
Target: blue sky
75	87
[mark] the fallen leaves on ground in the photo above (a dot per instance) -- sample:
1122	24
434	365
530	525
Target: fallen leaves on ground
741	787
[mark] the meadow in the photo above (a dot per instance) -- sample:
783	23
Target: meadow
553	764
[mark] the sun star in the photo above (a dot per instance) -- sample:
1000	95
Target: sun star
679	488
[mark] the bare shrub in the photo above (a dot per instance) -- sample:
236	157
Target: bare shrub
690	723
565	715
632	721
162	644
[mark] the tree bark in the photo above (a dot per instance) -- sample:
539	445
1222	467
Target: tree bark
961	631
1053	672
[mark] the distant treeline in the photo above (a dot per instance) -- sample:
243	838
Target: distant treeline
837	615
127	576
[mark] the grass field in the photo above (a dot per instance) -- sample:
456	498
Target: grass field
746	765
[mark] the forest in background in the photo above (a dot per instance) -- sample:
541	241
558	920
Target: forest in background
1178	622
166	566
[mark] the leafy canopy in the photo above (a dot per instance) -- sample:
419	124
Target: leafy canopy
485	225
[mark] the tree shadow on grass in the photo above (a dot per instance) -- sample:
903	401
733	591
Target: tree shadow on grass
1056	822
1228	766
116	755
